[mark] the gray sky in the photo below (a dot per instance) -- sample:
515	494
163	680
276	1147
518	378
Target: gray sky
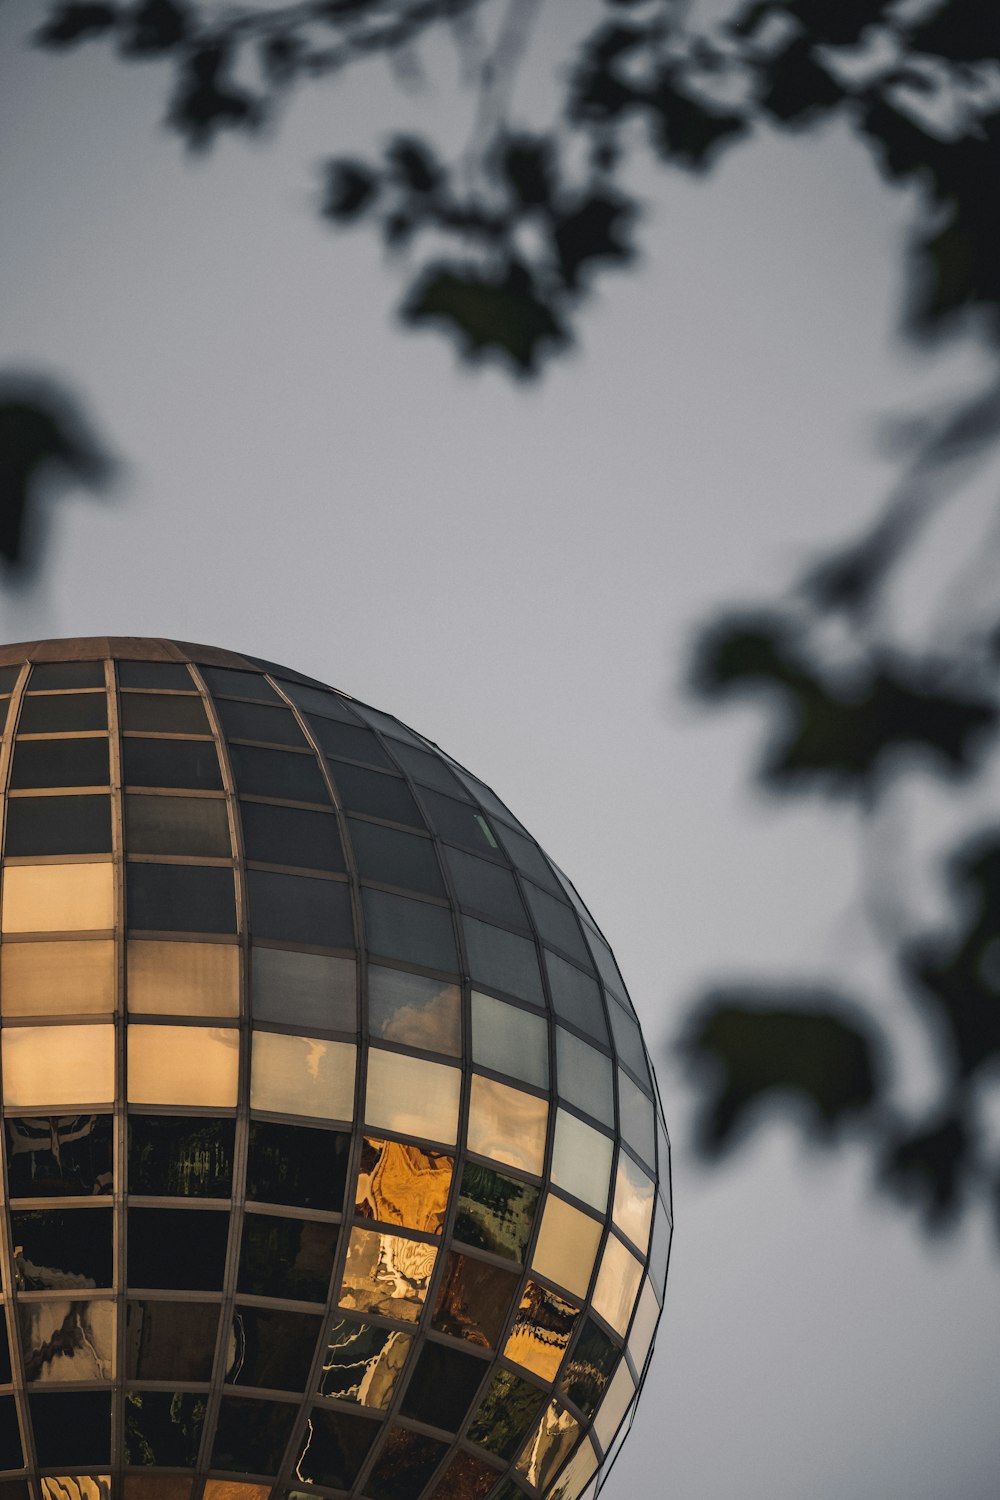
516	572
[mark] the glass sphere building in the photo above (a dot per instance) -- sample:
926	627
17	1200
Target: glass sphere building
333	1160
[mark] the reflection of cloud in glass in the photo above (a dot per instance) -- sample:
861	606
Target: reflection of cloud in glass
421	1025
634	1195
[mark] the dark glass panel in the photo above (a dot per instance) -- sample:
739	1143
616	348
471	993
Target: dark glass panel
289	1258
396	858
443	1386
636	1120
8	677
180	763
65	1156
414	1009
253	721
336	1445
12	1489
304	989
277	773
54	1244
473	1300
63	1340
576	997
154	1235
300	909
157	713
251	1435
58	825
4	1352
606	965
628	1041
180	1156
63	713
589	1368
557	924
660	1251
180	898
177	825
291	836
465	1478
164	675
407	1461
460	822
272	1349
500	960
507	1411
486	887
44	763
411	931
387	724
294	1165
53	676
170	1340
11	1456
374	793
237	684
326	703
424	766
529	858
72	1431
362	1363
163	1427
495	1212
350	741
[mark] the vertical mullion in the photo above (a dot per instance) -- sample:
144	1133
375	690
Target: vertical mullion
120	1142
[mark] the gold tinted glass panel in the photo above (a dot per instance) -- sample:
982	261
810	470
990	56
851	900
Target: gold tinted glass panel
76	1487
302	1075
65	1340
641	1336
197	1065
566	1247
507	1125
49	1065
58	898
403	1184
387	1274
577	1474
411	1096
227	1489
634	1197
57	979
541	1331
183	979
549	1446
581	1160
617	1284
614	1406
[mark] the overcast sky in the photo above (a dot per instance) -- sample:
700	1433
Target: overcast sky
516	572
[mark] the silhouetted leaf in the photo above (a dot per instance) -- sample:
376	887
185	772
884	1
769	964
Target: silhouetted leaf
798	89
965	31
594	230
527	164
154	27
489	313
929	1169
750	1047
838	22
414	164
350	188
686	131
72	23
205	102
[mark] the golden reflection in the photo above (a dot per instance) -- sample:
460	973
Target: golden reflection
412	1096
387	1274
614	1406
231	1489
183	979
577	1474
541	1330
641	1336
617	1285
634	1197
549	1446
183	1065
403	1184
58	898
56	1065
507	1125
57	979
76	1487
67	1340
302	1075
362	1363
566	1247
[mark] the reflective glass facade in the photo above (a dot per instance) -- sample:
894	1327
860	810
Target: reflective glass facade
333	1162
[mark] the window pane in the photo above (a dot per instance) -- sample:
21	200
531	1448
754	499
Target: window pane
291	836
407	1461
162	1427
386	723
387	1274
58	825
396	858
495	1212
412	1097
323	701
466	1478
529	858
239	684
614	1406
637	1122
180	1156
277	773
11	1456
510	1040
617	1285
58	898
296	1165
443	1386
290	1258
566	1247
180	898
55	1065
63	1339
362	1362
42	763
644	1326
303	989
161	675
300	909
481	885
69	1157
63	713
170	1340
159	713
153	1237
541	1332
501	960
628	1042
507	1125
402	1184
424	766
507	1411
252	721
589	1367
584	1077
251	1435
581	1160
412	931
556	923
378	795
634	1195
350	741
53	676
577	1474
459	822
57	979
180	763
183	1065
549	1447
416	1010
334	1448
177	825
183	979
58	1246
302	1075
272	1349
576	997
72	1430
